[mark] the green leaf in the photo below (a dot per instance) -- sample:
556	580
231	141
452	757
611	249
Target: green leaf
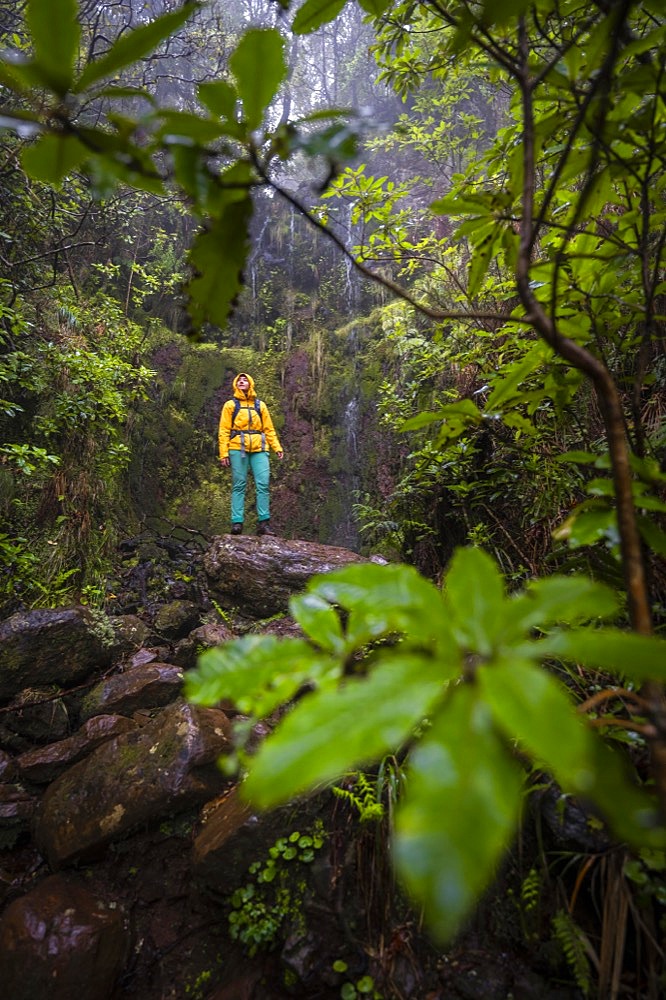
259	67
114	91
638	657
55	32
190	170
314	13
460	810
53	157
561	599
653	535
385	600
474	596
184	127
318	620
457	415
631	812
530	705
501	13
218	256
256	673
375	7
506	388
219	97
331	732
134	45
483	252
587	526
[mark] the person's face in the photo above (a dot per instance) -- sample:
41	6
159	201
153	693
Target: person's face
243	383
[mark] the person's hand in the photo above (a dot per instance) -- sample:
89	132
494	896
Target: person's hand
280	454
225	461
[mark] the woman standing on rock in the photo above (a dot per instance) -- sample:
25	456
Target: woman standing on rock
246	434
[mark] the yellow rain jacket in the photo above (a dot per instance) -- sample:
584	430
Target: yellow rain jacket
252	429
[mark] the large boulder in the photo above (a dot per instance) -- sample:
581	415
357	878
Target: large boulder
257	576
60	646
165	767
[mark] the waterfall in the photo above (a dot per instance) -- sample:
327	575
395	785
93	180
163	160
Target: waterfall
350	422
351	277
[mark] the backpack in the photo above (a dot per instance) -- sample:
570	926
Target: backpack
235	433
237	406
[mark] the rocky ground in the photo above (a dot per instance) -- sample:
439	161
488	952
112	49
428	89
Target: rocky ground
130	867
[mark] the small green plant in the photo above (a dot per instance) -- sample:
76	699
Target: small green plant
199	988
362	796
274	892
528	903
363	987
225	616
571	940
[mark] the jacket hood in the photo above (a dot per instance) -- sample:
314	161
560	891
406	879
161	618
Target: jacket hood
250	394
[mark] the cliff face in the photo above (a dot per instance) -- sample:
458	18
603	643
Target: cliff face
326	422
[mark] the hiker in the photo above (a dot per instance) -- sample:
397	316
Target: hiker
245	436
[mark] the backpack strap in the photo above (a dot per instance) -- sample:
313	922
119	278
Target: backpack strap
235	433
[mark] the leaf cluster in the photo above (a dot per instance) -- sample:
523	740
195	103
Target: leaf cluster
460	678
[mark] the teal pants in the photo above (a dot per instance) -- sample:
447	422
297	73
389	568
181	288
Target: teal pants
259	463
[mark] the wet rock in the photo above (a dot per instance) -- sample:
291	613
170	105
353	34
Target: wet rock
59	941
572	823
204	637
46	763
44	647
176	619
130	634
7	767
259	575
36	715
149	686
16	806
163	768
149	654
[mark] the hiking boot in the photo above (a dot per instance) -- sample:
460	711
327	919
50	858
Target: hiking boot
264	528
237	528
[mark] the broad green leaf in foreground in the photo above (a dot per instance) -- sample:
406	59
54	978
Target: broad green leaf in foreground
314	13
631	811
55	33
384	600
219	255
257	673
474	596
530	705
320	621
375	7
461	808
638	657
259	68
52	157
330	732
555	599
219	97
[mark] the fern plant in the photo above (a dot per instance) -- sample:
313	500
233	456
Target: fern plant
572	942
362	797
